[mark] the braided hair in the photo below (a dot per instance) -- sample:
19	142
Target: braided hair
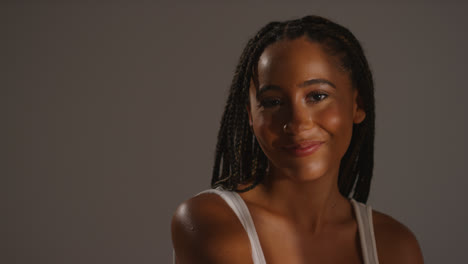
239	158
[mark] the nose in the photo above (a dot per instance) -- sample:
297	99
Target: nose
299	119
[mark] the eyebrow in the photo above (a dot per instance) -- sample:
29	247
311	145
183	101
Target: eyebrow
271	87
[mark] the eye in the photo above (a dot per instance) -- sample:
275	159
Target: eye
317	96
267	103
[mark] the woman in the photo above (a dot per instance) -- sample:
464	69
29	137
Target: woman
294	159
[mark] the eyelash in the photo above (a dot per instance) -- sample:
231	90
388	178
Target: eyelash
267	103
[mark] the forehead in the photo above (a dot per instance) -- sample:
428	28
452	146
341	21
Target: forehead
289	61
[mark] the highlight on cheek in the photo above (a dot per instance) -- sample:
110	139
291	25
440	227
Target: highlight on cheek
333	117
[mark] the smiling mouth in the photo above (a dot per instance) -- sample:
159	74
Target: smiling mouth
304	148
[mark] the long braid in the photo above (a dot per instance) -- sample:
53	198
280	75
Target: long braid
242	159
265	39
357	164
228	150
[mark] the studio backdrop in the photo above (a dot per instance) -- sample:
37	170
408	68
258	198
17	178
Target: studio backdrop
110	113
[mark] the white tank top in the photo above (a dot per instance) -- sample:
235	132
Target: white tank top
363	215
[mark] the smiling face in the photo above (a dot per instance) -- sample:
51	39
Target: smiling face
303	110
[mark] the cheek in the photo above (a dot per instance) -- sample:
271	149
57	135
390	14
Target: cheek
333	119
266	127
261	124
338	122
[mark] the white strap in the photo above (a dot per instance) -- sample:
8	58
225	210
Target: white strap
366	232
363	216
239	207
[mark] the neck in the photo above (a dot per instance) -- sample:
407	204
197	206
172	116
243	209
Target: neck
310	204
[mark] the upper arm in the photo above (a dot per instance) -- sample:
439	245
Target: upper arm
395	242
205	230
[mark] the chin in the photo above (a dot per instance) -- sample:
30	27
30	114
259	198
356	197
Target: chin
305	179
302	171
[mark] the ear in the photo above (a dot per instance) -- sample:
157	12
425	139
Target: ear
359	114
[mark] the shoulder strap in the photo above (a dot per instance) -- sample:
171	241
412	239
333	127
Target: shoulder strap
366	232
239	207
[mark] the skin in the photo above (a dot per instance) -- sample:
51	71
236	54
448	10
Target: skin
299	214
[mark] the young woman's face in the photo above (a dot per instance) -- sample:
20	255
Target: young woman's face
303	110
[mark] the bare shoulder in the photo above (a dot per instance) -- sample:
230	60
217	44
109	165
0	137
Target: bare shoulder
206	230
395	242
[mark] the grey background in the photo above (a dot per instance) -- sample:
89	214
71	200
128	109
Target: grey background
109	117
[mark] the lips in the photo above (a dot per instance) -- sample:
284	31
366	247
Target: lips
303	148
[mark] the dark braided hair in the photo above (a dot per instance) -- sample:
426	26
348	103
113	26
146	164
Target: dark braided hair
239	158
